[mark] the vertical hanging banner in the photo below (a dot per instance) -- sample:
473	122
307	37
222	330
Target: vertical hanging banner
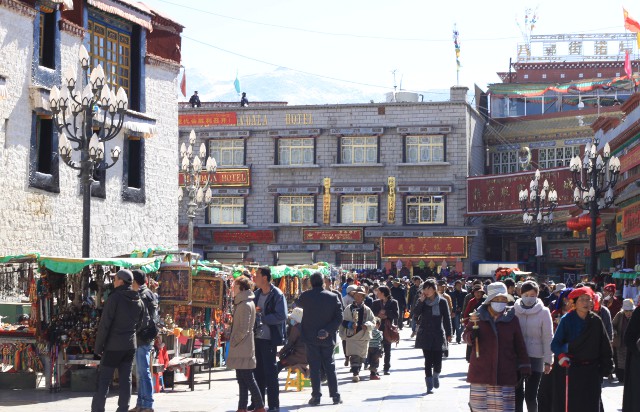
326	201
456	44
391	200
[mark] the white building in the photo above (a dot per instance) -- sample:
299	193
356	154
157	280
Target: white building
134	203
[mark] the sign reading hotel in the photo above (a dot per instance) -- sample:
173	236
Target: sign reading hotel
208	119
332	235
244	236
224	177
498	194
420	247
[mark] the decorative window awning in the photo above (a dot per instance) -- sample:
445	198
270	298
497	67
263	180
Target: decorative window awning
139	125
68	4
39	100
130	11
3	88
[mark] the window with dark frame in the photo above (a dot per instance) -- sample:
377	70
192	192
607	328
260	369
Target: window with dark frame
43	156
424	210
44	146
47	45
135	165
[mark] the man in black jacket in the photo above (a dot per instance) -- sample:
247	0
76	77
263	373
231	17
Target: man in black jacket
457	300
144	340
399	293
322	317
122	316
271	315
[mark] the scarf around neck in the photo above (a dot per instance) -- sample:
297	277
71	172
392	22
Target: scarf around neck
435	305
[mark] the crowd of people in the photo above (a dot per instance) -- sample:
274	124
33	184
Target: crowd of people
546	346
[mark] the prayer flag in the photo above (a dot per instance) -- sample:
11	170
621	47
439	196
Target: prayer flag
456	44
236	84
183	83
627	64
629	23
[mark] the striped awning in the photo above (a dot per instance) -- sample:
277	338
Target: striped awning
125	10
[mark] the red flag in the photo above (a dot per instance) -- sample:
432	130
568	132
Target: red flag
627	65
183	83
629	23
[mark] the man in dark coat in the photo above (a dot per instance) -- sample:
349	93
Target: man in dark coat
386	308
144	341
457	300
271	316
322	317
631	395
399	293
122	317
195	100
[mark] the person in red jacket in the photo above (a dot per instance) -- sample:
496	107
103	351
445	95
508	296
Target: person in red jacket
498	353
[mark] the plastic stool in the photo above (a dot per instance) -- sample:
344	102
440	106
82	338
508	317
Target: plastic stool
298	381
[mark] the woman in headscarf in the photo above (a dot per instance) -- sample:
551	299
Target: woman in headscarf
582	347
434	332
535	321
631	397
498	353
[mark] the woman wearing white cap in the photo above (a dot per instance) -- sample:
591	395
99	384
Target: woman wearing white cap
537	330
295	351
498	353
620	324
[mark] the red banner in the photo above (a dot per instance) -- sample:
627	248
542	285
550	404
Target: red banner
208	119
332	235
631	222
244	236
601	241
495	194
420	247
223	177
630	160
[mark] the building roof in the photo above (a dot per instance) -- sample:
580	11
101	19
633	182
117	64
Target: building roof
573	87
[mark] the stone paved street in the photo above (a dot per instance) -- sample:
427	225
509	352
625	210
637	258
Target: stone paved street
403	390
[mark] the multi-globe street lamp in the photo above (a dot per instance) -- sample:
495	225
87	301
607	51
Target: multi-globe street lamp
594	178
538	205
87	116
196	183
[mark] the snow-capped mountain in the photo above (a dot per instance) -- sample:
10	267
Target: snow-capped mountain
295	88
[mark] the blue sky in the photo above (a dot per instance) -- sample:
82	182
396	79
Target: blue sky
363	42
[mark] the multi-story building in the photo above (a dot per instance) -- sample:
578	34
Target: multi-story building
359	185
133	204
539	117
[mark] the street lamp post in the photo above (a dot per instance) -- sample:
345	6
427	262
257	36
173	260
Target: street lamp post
87	117
196	183
538	206
594	179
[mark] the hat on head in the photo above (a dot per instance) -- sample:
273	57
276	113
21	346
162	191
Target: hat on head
351	288
627	304
558	287
396	280
477	288
611	287
296	314
139	277
360	291
495	290
584	290
125	275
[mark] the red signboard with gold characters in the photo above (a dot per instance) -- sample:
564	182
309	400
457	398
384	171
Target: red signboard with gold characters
224	177
424	246
494	194
332	235
631	222
208	119
244	236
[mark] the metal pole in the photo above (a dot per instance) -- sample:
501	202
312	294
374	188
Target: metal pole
86	208
593	212
191	209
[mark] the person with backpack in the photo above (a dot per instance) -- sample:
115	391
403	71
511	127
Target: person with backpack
144	340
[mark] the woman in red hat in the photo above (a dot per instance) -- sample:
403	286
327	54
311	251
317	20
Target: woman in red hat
581	345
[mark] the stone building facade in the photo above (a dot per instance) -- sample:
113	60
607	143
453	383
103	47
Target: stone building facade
133	205
359	185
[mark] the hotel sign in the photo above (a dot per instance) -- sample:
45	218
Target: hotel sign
424	246
224	177
332	235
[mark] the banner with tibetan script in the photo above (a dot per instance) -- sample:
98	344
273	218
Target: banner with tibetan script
208	119
499	194
332	235
421	247
244	236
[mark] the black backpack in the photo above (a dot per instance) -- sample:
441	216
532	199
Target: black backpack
151	330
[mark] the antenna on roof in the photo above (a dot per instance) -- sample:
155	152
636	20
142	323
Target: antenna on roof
394	79
401	77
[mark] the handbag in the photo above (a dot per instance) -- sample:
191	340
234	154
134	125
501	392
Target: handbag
390	332
283	354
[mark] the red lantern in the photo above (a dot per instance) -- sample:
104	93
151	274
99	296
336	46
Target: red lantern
598	221
585	221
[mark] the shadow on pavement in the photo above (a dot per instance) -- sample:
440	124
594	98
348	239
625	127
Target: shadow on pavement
390	397
31	396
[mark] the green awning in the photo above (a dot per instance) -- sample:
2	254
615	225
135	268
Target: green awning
625	275
75	265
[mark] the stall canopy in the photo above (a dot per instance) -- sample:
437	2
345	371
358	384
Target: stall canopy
75	265
625	274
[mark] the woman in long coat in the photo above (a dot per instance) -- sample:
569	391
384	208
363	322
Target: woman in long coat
242	353
434	332
631	397
358	322
582	348
620	324
386	308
